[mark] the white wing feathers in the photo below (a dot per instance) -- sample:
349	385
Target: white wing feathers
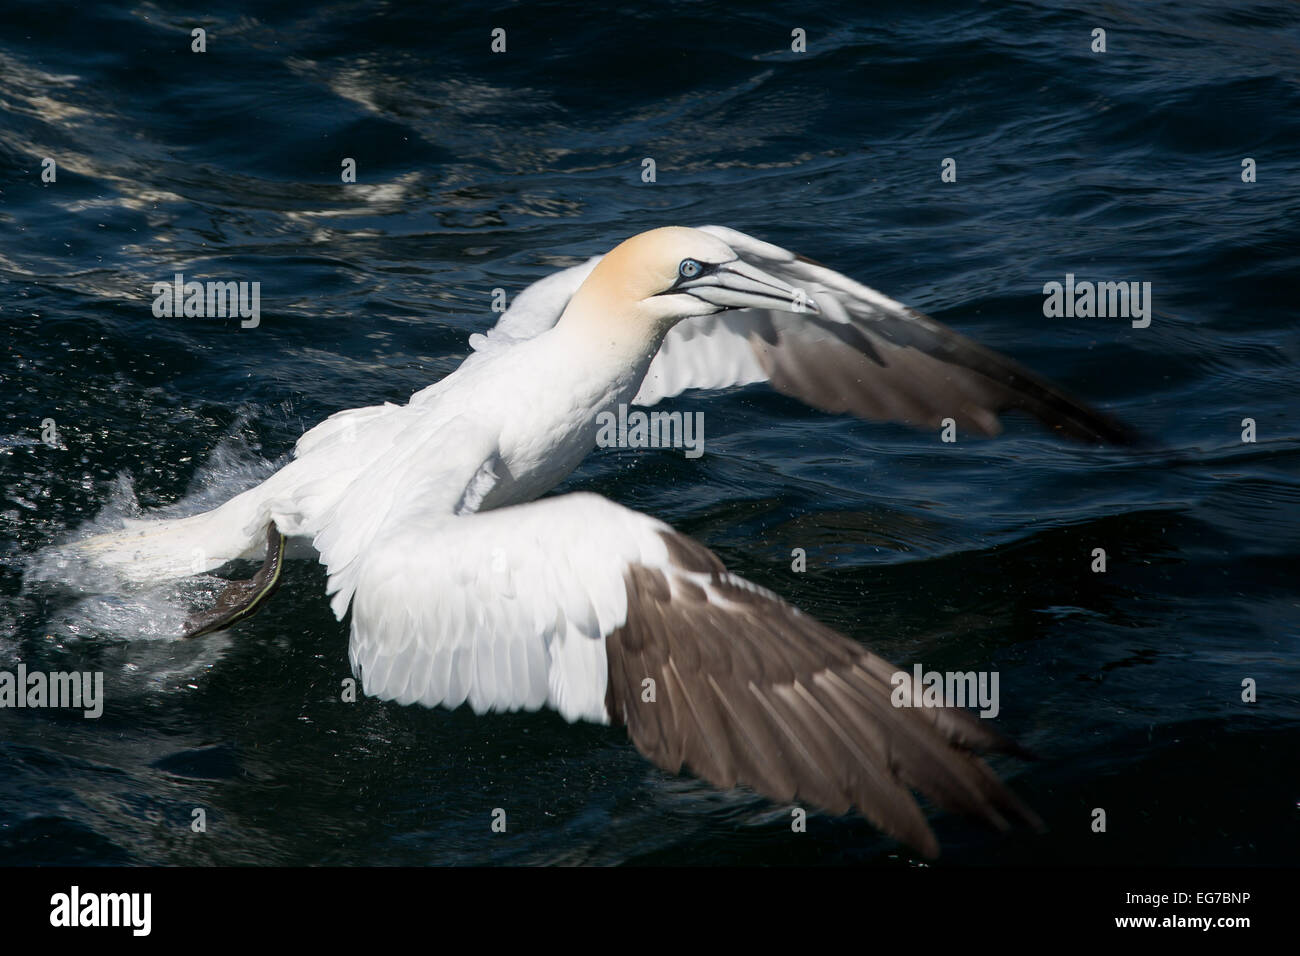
380	479
712	351
506	609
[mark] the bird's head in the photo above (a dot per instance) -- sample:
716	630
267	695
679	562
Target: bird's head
650	282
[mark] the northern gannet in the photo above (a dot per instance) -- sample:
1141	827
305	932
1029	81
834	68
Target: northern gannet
464	587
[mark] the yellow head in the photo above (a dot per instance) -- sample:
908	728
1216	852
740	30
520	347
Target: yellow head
648	283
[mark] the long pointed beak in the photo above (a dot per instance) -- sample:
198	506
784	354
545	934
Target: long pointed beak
738	285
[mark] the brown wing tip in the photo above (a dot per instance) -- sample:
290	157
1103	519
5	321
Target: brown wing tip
751	691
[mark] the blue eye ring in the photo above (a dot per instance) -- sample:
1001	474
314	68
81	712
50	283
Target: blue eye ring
689	269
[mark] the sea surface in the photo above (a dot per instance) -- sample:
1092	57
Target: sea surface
479	170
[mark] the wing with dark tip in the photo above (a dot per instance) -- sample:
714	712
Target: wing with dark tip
864	354
749	690
608	615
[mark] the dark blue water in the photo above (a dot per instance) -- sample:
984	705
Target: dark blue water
477	171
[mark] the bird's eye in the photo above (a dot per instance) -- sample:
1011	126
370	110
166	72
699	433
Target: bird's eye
689	269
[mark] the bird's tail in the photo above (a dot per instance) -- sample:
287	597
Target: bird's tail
168	548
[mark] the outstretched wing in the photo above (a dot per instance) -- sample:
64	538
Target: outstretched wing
608	615
864	353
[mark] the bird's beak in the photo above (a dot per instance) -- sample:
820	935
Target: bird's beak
738	285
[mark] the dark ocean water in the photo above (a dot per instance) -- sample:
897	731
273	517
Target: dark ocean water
477	171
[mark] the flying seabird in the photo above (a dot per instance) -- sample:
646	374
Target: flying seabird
466	586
